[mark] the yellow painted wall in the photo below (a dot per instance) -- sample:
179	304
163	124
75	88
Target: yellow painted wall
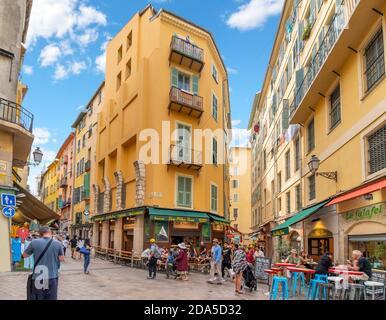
142	102
241	160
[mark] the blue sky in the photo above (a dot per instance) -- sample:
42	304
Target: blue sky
64	61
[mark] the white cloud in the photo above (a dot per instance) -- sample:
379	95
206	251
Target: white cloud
240	138
100	61
89	36
232	70
49	55
254	14
235	122
52	18
60	72
28	70
42	136
76	67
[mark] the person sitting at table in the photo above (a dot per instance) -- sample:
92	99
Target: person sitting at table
203	250
304	260
293	257
324	264
360	263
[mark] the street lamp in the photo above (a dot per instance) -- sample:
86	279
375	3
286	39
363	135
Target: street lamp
38	156
313	165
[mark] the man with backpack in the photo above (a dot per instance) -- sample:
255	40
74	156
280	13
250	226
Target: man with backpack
155	254
43	282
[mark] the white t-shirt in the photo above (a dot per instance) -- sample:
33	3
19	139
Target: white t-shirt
65	243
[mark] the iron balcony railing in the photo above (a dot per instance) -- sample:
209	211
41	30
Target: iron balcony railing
338	23
63	182
186	48
14	113
183	155
185	98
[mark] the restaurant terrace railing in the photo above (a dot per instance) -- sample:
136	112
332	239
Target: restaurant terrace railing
338	23
14	113
186	48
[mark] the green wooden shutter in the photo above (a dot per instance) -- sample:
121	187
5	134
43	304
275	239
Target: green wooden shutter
285	115
195	84
274	104
180	190
298	83
188	192
300	35
214	151
174	78
86	184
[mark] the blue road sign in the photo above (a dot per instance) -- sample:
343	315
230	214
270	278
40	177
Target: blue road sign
8	200
9	212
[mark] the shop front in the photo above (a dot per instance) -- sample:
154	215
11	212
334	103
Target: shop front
290	233
263	239
362	223
321	233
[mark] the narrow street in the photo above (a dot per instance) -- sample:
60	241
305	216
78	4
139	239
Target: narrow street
108	281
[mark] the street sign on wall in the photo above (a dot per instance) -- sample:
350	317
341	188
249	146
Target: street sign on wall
8	200
9	212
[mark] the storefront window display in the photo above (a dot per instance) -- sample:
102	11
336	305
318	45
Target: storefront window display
161	231
205	232
373	247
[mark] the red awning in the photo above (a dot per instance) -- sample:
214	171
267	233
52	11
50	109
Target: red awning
359	192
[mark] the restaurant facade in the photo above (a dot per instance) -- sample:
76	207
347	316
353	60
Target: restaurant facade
131	230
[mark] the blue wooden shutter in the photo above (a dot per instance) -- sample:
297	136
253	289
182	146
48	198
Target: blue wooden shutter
174	78
195	84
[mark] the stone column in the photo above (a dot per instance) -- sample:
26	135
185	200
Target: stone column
96	198
119	181
107	196
140	178
139	227
118	234
95	233
105	234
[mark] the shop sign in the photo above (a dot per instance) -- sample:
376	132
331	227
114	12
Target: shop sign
3	167
179	219
118	215
205	232
320	233
280	232
185	225
218	227
365	213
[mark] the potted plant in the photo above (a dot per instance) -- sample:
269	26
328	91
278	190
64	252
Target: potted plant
283	249
306	32
379	252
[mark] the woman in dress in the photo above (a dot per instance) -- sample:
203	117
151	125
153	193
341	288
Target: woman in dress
182	262
239	264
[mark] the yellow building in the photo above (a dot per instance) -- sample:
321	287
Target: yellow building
325	94
240	187
84	168
164	75
50	186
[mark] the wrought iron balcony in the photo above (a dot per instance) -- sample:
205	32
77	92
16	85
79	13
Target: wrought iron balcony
66	204
186	102
86	195
15	113
183	157
63	182
325	47
186	54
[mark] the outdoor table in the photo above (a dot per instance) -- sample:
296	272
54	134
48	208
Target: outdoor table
284	265
345	275
301	270
271	273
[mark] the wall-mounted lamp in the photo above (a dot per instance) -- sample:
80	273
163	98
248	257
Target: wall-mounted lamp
368	196
313	165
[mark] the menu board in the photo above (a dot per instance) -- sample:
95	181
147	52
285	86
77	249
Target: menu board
262	264
378	277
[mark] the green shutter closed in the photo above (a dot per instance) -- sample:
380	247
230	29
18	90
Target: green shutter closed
195	84
285	115
174	78
86	183
188	192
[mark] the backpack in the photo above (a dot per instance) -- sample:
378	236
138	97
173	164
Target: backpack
157	252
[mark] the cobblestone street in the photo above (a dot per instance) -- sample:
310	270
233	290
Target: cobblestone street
108	281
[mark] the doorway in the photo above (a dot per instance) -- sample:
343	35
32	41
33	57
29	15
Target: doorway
317	247
127	241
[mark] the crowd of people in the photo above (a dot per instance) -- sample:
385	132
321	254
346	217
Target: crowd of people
222	260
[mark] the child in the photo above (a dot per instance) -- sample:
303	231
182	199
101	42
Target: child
169	264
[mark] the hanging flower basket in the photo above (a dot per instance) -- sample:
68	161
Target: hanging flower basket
306	32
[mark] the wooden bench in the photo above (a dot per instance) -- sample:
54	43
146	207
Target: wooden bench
100	252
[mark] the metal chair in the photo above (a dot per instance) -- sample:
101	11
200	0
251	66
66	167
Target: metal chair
375	289
357	291
275	287
326	291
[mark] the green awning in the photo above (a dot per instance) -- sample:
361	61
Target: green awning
177	215
218	219
283	228
118	214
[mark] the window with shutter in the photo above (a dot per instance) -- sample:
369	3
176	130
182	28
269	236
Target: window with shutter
174	78
285	115
184	191
311	135
374	60
213	197
335	108
377	150
195	84
214	151
214	107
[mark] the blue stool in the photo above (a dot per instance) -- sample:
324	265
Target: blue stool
295	277
276	281
313	289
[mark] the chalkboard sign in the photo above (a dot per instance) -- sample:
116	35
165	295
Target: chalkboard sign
262	264
378	277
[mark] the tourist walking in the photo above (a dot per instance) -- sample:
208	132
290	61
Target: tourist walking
73	243
239	264
155	254
170	263
215	262
86	251
80	244
29	261
65	244
43	283
226	259
182	262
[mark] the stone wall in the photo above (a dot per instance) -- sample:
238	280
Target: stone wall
140	185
